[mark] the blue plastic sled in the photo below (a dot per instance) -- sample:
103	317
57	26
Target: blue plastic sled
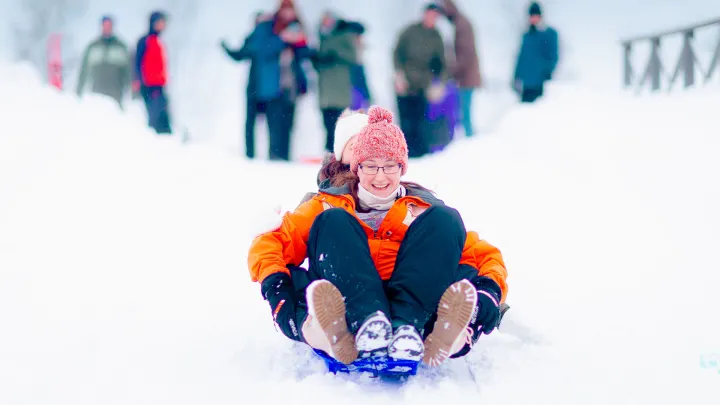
385	368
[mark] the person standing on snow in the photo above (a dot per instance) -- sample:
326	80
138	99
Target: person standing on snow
466	70
277	46
152	72
333	61
253	105
106	62
420	72
537	58
392	270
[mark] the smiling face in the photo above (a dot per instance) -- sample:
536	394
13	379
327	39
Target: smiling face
380	184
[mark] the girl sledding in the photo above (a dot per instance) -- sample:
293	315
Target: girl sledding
392	271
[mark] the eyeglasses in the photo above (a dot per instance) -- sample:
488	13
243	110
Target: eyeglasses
374	169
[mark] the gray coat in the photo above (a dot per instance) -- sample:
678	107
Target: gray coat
107	65
333	62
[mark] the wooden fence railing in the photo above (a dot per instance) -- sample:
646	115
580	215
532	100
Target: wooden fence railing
687	62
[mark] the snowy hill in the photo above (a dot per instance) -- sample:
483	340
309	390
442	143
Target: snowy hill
123	272
123	276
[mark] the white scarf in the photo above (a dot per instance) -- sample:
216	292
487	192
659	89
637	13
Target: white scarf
371	201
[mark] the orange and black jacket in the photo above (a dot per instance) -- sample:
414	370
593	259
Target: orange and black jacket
272	251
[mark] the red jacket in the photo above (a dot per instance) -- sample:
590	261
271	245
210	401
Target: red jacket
151	62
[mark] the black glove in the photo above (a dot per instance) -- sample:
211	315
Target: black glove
284	302
488	303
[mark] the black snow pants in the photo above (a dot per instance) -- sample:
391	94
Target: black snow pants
412	110
330	117
279	113
158	110
427	264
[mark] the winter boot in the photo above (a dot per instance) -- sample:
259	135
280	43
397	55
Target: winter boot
374	335
326	328
407	344
453	316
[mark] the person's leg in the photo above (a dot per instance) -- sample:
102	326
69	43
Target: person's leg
426	265
354	302
424	283
288	120
276	118
250	116
419	120
163	120
289	117
466	95
330	117
145	93
530	95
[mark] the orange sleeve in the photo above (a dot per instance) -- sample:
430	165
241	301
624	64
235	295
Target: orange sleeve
272	251
487	259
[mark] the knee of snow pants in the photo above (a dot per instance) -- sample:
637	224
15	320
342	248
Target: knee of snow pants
427	264
338	251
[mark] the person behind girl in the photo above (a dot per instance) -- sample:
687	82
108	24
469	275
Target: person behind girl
392	270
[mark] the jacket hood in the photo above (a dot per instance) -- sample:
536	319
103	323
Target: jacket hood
450	9
154	17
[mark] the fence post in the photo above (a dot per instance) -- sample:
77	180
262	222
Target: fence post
714	62
655	64
687	63
628	64
687	59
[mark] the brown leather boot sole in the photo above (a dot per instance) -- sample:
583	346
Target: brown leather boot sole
453	315
329	308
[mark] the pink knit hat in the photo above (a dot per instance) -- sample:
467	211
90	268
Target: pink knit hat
380	139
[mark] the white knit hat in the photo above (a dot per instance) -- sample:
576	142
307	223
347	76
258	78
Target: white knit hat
345	128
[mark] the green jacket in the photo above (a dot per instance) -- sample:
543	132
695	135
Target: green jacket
333	62
107	64
420	55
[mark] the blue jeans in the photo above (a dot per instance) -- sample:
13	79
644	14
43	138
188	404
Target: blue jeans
466	95
466	109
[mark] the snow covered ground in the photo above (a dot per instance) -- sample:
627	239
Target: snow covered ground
123	274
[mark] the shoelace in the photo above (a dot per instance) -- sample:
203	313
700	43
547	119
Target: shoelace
468	336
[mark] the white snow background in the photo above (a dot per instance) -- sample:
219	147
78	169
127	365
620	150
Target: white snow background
123	276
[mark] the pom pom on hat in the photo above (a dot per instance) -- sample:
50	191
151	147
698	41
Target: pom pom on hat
380	139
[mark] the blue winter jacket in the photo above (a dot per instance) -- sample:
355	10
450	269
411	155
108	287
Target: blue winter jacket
263	46
537	58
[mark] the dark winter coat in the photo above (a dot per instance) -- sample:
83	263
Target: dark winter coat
420	55
239	55
107	64
466	71
537	58
334	61
264	47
